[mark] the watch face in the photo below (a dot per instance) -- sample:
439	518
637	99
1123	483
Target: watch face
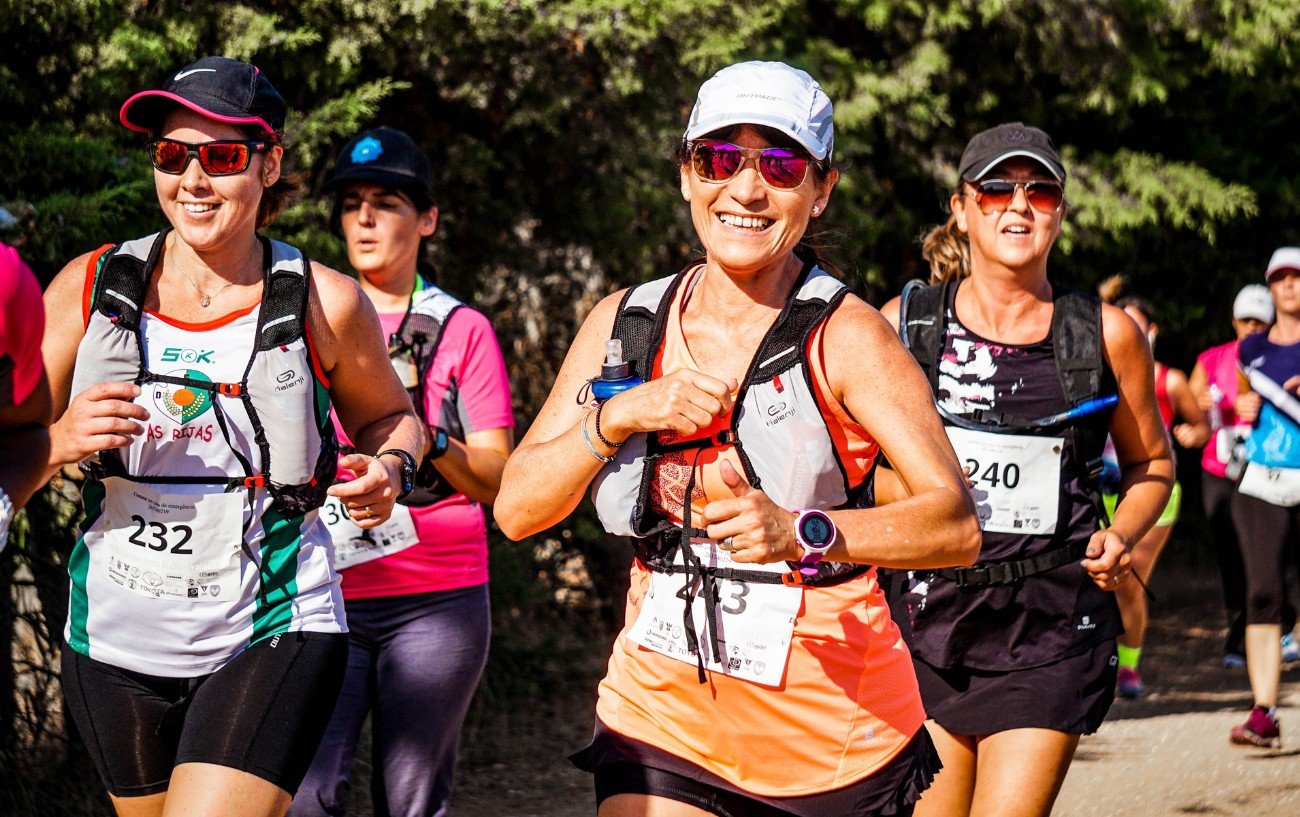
815	529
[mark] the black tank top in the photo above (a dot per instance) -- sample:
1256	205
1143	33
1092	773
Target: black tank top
1045	617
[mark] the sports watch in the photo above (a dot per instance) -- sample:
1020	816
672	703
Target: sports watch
408	469
815	533
440	442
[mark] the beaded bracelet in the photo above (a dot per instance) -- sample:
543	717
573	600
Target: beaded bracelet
599	408
586	439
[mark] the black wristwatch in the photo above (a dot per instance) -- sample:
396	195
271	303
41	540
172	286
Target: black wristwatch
408	469
440	442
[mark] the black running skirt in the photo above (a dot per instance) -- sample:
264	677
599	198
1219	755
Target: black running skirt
1072	695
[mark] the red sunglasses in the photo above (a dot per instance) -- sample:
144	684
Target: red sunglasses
996	195
218	158
717	162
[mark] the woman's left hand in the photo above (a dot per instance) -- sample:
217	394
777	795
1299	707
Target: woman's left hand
370	497
1106	559
760	531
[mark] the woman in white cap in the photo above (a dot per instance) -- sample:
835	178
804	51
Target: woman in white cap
1015	656
759	672
1266	507
1214	382
205	641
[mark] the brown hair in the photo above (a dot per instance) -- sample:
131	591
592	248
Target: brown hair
947	250
278	196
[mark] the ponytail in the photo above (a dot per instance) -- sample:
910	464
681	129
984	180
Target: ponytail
947	250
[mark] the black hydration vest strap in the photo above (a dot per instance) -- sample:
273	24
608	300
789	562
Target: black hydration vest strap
987	574
420	335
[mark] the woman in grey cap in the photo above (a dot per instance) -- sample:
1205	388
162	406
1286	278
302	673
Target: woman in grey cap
205	641
1215	383
759	672
415	588
1015	655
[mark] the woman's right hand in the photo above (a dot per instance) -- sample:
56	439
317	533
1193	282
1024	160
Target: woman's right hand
99	418
682	402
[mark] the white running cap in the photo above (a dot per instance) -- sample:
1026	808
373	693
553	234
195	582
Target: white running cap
766	93
1254	301
1283	258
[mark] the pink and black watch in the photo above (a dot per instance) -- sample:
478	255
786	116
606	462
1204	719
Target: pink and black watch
815	533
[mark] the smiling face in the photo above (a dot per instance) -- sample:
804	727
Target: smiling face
1018	237
209	212
383	229
747	227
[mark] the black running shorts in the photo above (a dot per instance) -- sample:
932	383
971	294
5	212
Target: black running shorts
263	713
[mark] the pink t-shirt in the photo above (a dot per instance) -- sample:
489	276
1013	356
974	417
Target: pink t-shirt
452	552
1220	366
22	323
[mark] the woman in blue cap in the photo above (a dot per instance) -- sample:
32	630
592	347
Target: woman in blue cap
759	671
205	641
416	588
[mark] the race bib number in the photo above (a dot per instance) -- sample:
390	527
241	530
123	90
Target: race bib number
1276	486
179	547
354	544
1016	480
755	622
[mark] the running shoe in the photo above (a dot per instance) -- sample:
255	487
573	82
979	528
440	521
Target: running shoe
1290	649
1233	660
1260	729
1129	683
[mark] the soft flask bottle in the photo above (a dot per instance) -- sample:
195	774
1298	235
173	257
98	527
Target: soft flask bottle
615	374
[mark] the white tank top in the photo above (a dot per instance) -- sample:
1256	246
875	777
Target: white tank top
174	580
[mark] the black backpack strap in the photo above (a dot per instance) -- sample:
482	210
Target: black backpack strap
283	315
1077	340
640	329
122	284
920	325
785	343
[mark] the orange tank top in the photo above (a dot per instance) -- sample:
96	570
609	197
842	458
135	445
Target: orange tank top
848	702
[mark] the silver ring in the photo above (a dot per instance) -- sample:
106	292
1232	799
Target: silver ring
728	544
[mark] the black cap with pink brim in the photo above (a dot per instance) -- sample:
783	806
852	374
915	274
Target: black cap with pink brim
218	88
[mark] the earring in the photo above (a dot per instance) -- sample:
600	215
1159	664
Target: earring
817	209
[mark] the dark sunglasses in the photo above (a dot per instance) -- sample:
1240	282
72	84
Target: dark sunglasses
995	195
219	158
717	162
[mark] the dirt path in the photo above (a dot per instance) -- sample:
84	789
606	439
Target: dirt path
1165	756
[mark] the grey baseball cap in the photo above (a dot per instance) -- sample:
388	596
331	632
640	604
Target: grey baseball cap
1254	301
772	94
989	148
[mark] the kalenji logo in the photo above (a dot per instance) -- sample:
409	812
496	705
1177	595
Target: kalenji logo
175	354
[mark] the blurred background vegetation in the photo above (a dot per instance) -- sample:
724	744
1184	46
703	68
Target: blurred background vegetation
549	125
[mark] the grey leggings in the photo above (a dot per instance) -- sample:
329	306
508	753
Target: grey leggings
413	665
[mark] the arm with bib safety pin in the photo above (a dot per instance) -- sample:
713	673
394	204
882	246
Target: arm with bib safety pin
369	398
562	452
101	416
1142	445
879	384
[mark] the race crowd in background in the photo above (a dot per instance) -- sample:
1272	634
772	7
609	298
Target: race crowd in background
886	561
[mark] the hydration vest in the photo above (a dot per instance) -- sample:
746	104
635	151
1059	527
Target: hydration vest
1077	342
296	463
794	461
418	337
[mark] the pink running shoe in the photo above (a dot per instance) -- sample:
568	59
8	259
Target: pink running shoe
1129	683
1260	729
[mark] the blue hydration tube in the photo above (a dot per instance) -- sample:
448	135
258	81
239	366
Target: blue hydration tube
1093	406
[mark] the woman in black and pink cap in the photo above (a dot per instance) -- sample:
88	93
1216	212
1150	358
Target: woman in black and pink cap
1015	655
206	641
759	671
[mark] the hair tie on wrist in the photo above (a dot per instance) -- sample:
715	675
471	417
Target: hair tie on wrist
599	408
586	440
